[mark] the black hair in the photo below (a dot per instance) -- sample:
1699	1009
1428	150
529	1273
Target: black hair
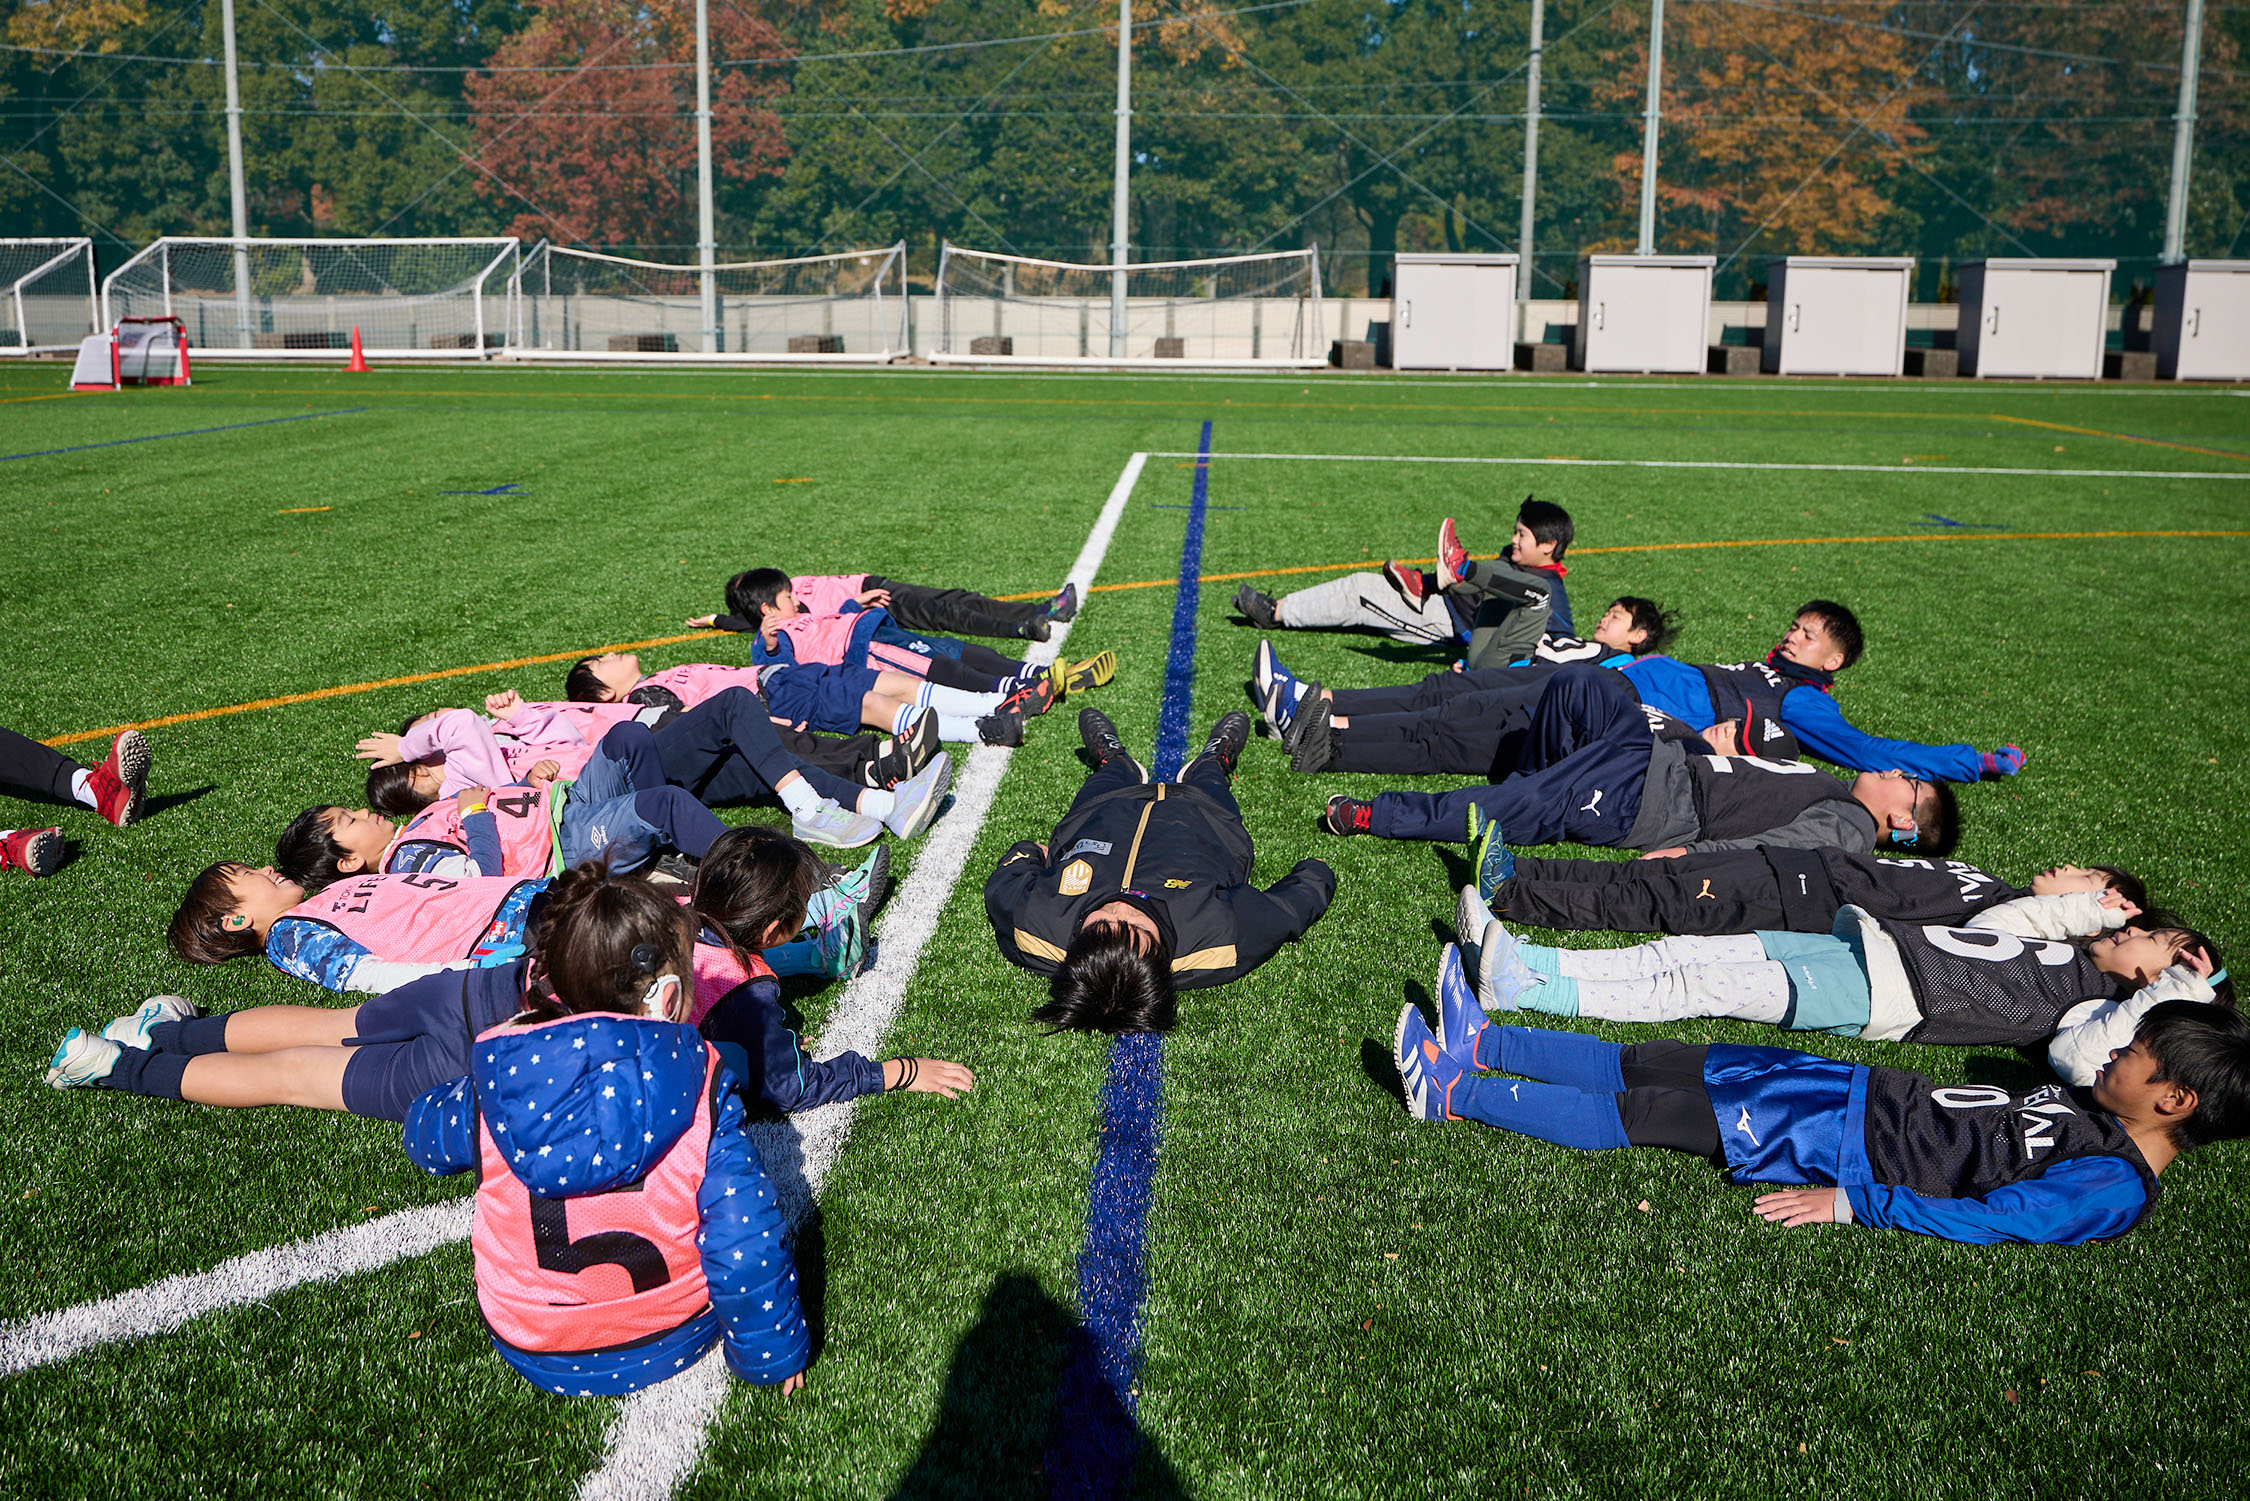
308	851
1937	821
1841	624
2205	1049
1661	624
749	591
1547	522
392	793
199	933
600	942
2163	922
581	686
753	878
415	718
1108	982
2125	884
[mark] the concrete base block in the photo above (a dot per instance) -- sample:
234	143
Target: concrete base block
1933	364
1542	359
1733	359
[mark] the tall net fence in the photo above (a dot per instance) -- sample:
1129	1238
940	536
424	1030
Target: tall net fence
303	298
47	299
575	302
1230	310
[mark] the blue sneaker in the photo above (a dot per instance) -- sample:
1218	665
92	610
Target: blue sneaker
132	1031
1502	976
865	886
82	1059
1460	1018
1428	1073
1495	861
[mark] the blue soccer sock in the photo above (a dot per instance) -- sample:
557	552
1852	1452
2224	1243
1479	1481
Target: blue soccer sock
154	1074
802	958
190	1036
1557	997
1570	1058
1552	1112
1538	956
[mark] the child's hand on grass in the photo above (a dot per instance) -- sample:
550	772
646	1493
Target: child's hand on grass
1798	1206
382	749
544	774
704	621
928	1076
503	705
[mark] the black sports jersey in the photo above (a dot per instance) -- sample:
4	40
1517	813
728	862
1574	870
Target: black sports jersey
1737	797
1977	985
1965	1141
1737	685
1916	891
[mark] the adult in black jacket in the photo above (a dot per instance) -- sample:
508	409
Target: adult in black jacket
1771	888
1144	887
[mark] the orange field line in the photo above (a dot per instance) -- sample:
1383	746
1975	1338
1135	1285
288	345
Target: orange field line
2095	432
1209	578
349	688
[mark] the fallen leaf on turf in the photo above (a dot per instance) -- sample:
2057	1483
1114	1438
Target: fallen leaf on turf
1390	1255
2089	1373
1642	1206
1800	1448
1370	1323
1832	1339
2010	1394
417	1334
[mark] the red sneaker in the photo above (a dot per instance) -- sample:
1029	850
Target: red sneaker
1408	581
1452	557
120	781
1032	700
38	851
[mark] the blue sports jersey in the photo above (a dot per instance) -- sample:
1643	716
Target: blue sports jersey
1812	716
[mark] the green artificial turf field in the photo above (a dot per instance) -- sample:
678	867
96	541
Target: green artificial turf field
1341	1302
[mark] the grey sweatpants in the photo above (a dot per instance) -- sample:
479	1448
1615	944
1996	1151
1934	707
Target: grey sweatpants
1367	600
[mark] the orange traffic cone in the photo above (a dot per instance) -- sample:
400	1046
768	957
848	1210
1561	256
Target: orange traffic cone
358	361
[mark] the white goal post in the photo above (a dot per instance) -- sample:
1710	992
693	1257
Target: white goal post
1226	312
301	299
47	299
847	308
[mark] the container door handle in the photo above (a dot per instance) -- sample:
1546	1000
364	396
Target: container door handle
1797	318
1601	315
2195	323
1406	314
1992	323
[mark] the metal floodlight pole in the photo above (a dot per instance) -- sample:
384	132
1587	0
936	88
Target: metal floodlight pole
1647	245
706	237
235	192
1530	169
1118	200
2183	135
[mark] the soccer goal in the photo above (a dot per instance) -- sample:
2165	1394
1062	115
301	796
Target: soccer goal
49	303
301	299
1259	311
576	304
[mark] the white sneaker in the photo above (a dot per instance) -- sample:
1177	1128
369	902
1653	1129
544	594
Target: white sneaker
1469	919
82	1059
836	826
918	798
132	1031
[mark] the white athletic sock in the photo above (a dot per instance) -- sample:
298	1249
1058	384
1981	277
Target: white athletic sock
82	787
1754	992
957	702
798	796
903	720
1643	959
877	802
957	727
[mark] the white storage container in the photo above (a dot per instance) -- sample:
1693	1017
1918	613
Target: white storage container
1648	313
2203	320
2034	318
1836	315
1452	312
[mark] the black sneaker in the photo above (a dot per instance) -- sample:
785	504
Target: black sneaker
1004	728
1256	608
1228	737
893	761
1310	740
1348	815
1064	606
1035	629
1102	741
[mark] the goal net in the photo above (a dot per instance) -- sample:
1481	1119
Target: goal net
46	295
577	304
301	299
1254	310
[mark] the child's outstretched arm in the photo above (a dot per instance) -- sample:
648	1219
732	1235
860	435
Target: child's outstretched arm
746	1260
2075	1201
2074	914
2092	1030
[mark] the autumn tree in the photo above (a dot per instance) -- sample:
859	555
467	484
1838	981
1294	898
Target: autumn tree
606	154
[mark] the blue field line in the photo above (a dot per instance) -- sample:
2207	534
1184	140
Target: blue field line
1096	1438
193	432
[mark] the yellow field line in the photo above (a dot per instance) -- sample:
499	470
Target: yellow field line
346	689
2095	432
349	688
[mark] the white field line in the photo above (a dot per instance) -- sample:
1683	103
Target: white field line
1397	458
162	1306
658	1433
863	1013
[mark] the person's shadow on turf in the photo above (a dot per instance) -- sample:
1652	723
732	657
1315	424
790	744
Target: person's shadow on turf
1026	1413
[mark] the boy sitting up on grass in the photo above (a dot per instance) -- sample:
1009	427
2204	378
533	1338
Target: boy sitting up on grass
1881	1147
914	606
1499	608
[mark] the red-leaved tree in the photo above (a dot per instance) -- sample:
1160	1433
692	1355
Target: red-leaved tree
606	156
